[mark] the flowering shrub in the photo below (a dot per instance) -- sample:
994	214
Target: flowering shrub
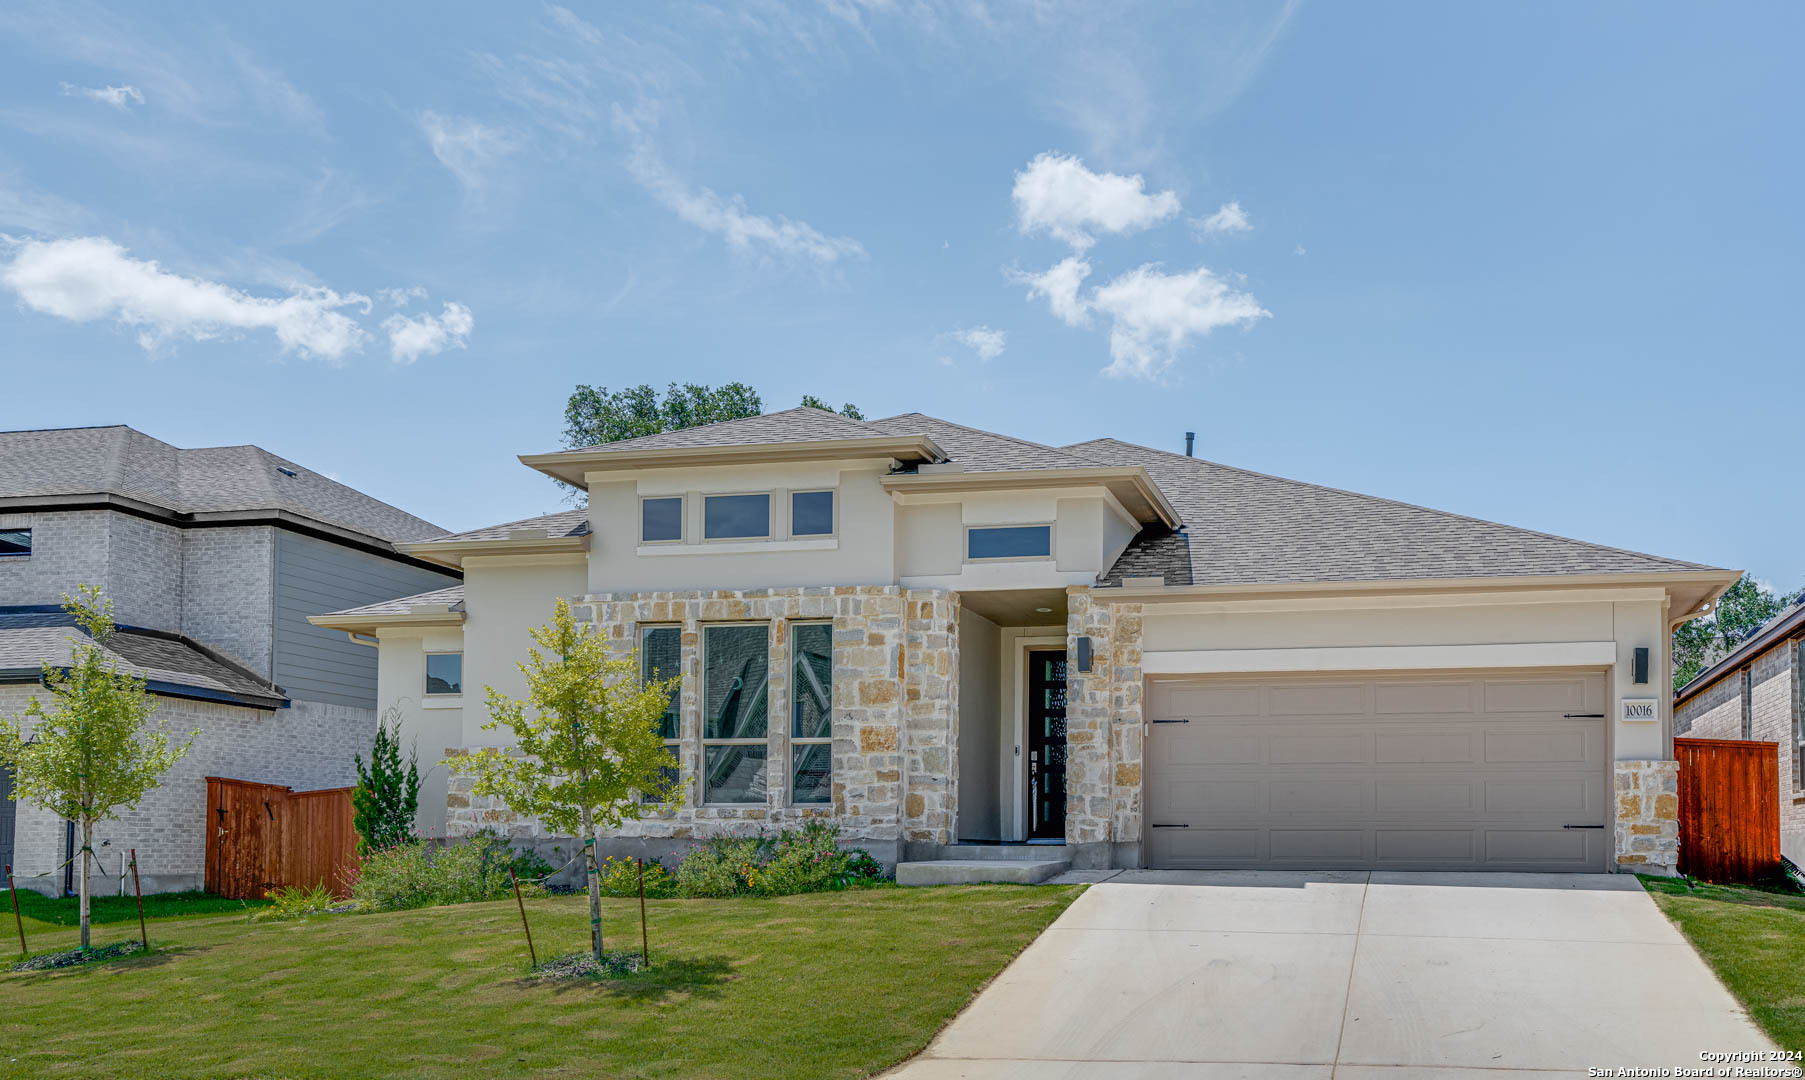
294	902
620	877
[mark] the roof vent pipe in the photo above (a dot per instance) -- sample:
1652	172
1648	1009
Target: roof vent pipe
1190	443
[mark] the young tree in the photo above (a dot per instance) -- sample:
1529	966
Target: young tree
387	796
93	752
587	749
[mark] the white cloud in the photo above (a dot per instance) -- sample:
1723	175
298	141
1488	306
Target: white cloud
469	149
400	298
728	218
1057	194
1059	283
984	341
1229	218
411	337
1299	250
85	279
119	97
1155	314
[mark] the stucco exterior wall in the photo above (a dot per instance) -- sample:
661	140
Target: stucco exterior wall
895	719
306	746
1716	713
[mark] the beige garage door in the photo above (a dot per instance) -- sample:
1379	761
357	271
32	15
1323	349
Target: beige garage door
1409	772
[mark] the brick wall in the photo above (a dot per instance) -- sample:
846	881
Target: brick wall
228	591
307	746
895	722
68	548
1716	713
144	571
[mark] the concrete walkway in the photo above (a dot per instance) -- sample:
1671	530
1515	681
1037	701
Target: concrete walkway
1217	975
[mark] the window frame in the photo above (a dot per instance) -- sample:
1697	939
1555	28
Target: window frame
1798	715
1748	701
674	744
790	736
426	674
30	544
682	513
1052	550
833	532
702	739
768	535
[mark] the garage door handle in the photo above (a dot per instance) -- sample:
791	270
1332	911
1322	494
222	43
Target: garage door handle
1173	721
1582	826
1168	826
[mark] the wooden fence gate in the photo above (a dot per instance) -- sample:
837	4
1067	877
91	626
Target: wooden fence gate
1729	809
264	836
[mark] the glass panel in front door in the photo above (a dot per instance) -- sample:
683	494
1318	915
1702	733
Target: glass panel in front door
1046	745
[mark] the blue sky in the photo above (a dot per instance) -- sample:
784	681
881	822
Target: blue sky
1535	263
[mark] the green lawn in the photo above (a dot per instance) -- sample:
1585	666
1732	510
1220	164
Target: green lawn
824	985
115	909
1754	939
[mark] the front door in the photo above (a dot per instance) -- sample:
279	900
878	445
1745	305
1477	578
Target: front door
1046	744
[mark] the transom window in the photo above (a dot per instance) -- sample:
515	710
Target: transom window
735	718
15	542
811	513
812	713
661	520
445	673
661	657
736	517
1009	542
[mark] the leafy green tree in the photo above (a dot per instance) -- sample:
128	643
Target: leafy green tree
587	747
596	415
1744	609
387	796
93	752
849	410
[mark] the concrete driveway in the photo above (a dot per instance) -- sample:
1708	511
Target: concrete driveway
1208	976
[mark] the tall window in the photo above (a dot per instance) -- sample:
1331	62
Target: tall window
1798	715
15	542
661	657
735	667
812	713
1748	703
445	673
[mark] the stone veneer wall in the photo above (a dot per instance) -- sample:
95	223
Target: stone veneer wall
1648	816
895	723
1103	732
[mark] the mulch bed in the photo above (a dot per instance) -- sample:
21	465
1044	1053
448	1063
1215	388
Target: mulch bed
77	957
584	966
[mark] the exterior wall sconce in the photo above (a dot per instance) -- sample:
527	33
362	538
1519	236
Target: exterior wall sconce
1084	654
1639	669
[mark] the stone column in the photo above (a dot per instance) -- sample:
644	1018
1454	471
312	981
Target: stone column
1648	817
931	715
1089	791
1125	734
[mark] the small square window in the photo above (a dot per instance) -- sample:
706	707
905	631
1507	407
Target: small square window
445	673
15	542
1013	542
812	513
661	519
736	517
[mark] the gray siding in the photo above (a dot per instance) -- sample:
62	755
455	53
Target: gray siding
314	577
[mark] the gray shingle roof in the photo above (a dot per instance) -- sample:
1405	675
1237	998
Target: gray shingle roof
452	598
801	424
128	463
981	451
563	523
30	639
1248	528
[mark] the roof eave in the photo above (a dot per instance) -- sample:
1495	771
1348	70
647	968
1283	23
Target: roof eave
1767	638
452	553
368	624
1146	501
1715	581
571	466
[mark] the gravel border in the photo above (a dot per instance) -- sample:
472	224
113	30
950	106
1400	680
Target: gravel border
78	957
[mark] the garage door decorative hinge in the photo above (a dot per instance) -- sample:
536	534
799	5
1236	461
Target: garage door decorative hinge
1168	826
1582	716
1173	720
1582	826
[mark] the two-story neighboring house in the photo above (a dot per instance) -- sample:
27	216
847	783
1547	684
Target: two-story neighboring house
213	559
951	641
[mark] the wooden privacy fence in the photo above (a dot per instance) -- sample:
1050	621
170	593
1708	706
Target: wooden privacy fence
1729	809
264	836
